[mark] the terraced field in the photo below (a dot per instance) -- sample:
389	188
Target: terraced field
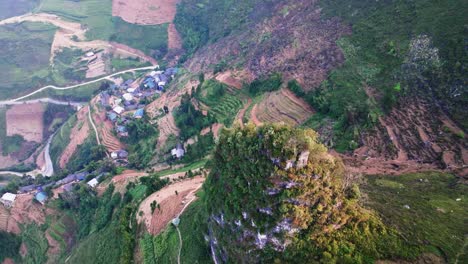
3	218
224	107
282	106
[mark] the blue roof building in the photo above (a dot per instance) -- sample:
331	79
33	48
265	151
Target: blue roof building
112	116
139	113
41	197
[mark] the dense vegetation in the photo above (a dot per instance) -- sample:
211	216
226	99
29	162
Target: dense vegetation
189	120
330	225
10	245
400	48
142	139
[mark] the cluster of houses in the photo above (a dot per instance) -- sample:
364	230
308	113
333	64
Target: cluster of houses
125	102
67	183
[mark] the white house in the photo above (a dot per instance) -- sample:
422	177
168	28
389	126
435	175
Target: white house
8	199
118	109
161	83
93	182
128	96
89	54
131	90
178	152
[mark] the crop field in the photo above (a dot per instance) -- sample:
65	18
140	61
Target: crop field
24	57
281	106
96	15
428	208
26	120
223	101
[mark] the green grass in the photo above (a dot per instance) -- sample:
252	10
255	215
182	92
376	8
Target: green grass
152	40
138	192
24	57
118	64
435	220
100	247
192	166
164	248
34	238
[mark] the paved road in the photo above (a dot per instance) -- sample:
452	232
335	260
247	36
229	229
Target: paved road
49	166
7	102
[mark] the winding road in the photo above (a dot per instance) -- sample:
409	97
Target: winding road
49	166
12	101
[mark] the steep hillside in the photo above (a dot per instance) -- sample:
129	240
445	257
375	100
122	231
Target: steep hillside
262	37
370	69
290	206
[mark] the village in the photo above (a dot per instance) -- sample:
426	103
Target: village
123	103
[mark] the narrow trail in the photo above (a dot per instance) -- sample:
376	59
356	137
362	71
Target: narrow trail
180	245
7	102
94	126
178	216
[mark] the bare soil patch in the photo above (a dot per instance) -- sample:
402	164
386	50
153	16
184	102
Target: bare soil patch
145	12
78	135
25	210
234	79
174	38
171	204
26	120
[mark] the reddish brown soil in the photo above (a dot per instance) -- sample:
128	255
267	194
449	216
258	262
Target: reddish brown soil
215	128
253	116
411	138
78	135
8	261
26	120
25	210
171	204
174	38
234	79
145	12
240	115
300	44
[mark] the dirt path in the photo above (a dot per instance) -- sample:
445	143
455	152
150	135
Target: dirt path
402	156
240	115
93	126
253	116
